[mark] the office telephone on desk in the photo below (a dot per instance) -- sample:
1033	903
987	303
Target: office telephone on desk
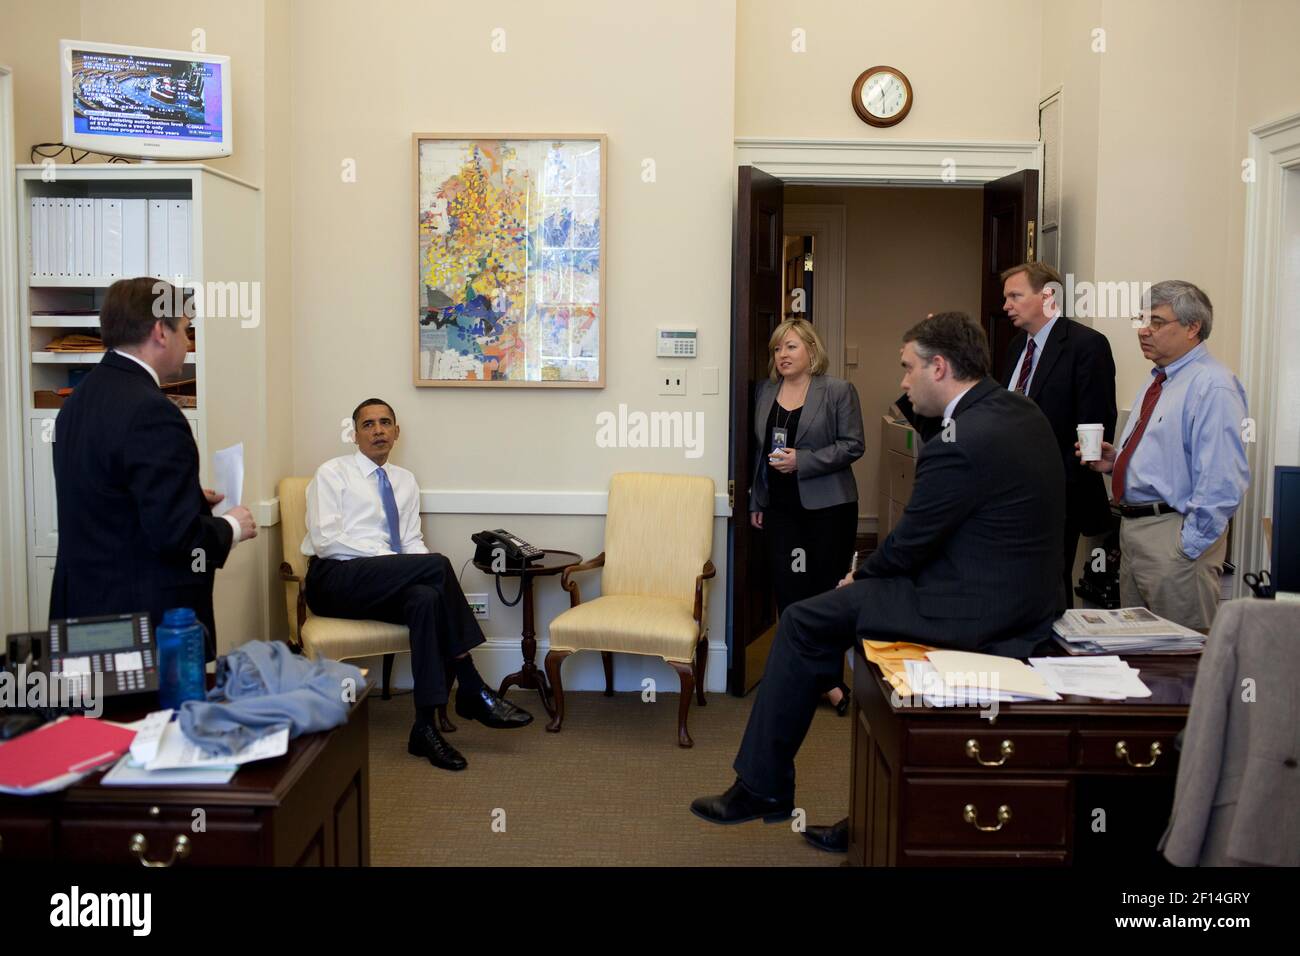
118	646
516	551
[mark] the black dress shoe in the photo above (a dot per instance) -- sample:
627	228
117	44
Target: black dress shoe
842	707
740	805
493	711
427	742
832	839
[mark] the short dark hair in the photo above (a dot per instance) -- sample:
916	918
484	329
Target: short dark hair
958	339
132	306
356	412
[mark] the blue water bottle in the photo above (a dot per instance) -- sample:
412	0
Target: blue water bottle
180	659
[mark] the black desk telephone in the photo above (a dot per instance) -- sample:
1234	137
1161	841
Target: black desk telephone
493	546
117	646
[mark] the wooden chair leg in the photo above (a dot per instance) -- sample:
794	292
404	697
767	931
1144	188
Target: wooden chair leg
553	661
388	675
686	674
701	663
608	660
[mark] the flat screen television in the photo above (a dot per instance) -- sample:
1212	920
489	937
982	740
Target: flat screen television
145	103
1284	568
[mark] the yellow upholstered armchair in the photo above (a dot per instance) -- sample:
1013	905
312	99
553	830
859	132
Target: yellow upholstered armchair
653	601
335	638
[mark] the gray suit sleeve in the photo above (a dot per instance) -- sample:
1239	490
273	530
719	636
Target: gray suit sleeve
849	443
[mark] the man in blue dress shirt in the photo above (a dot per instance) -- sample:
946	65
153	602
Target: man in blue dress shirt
1180	470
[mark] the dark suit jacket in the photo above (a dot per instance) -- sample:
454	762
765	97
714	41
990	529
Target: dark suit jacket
1074	384
974	562
131	510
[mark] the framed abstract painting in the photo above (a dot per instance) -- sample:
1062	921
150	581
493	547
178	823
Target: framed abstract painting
510	260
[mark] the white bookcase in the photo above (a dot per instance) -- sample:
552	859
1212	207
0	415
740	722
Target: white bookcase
223	248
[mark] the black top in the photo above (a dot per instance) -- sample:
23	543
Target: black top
782	489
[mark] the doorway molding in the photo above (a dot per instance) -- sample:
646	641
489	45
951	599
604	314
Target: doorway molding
1272	203
800	162
13	509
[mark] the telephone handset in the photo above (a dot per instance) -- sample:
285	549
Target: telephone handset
498	545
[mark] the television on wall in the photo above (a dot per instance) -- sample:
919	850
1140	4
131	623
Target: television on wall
145	103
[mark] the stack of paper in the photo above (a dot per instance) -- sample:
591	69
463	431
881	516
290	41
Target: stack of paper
1107	678
892	657
961	678
161	755
1127	630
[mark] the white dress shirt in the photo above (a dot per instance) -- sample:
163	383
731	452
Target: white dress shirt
345	513
948	409
1040	343
234	522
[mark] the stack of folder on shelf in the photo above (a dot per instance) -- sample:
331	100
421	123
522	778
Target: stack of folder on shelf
76	342
1126	630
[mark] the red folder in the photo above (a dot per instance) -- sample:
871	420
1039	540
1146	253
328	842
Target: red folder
70	746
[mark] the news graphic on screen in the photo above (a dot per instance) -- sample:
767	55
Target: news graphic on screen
140	96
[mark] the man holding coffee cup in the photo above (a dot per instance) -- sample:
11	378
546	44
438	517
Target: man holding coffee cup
1068	370
1180	470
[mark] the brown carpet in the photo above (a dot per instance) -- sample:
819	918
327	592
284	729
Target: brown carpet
612	788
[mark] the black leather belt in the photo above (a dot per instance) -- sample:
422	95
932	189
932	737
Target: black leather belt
1149	510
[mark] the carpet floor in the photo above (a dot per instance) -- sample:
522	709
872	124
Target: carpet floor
611	789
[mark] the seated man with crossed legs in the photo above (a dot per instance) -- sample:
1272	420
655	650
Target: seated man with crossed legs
369	562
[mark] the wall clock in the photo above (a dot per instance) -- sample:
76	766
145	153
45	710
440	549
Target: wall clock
882	96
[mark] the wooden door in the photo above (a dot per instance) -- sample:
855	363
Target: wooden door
756	311
1010	238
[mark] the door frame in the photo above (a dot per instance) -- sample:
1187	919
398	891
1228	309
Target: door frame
827	224
13	506
1274	149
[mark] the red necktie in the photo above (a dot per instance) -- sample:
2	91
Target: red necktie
1026	367
1121	461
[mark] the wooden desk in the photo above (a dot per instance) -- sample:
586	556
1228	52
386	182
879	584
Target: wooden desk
310	807
914	775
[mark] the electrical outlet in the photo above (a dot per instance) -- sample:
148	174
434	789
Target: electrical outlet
478	603
672	381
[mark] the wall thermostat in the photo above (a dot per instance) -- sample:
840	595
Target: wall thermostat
677	342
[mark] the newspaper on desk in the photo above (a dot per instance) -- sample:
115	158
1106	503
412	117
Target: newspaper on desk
1105	678
1125	630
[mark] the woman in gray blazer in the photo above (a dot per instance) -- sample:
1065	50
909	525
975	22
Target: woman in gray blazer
809	430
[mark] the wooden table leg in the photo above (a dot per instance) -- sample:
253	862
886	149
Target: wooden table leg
530	676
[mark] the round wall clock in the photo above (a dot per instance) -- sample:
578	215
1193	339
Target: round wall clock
882	96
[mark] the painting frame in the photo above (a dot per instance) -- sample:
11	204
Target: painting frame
423	311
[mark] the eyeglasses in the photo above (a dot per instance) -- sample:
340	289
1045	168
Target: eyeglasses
1143	321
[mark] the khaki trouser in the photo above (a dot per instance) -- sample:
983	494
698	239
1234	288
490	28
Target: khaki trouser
1154	573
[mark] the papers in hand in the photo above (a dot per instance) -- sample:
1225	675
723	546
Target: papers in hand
1106	678
228	477
1126	630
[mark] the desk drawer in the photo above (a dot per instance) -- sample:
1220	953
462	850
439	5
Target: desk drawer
25	838
1102	750
108	837
935	812
1010	750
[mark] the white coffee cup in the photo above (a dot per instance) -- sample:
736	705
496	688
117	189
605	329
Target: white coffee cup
1090	441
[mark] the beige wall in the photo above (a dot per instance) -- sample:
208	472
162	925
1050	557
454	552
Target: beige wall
909	251
973	67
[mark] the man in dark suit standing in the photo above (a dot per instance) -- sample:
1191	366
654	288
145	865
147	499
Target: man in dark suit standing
136	531
1068	369
974	562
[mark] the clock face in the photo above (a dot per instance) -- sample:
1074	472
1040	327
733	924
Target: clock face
883	95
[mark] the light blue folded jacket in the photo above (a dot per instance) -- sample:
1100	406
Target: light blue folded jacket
263	687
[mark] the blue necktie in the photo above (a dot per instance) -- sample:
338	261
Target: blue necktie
390	510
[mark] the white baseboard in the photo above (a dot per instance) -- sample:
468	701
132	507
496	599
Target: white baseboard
497	658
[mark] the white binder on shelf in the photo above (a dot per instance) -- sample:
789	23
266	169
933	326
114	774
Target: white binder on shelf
135	238
51	262
88	237
97	238
70	237
178	239
110	238
78	221
158	238
59	271
36	232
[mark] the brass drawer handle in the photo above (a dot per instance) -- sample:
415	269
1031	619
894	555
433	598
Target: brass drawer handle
973	751
1121	750
970	815
139	846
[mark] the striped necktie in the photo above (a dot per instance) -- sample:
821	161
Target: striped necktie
1026	367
